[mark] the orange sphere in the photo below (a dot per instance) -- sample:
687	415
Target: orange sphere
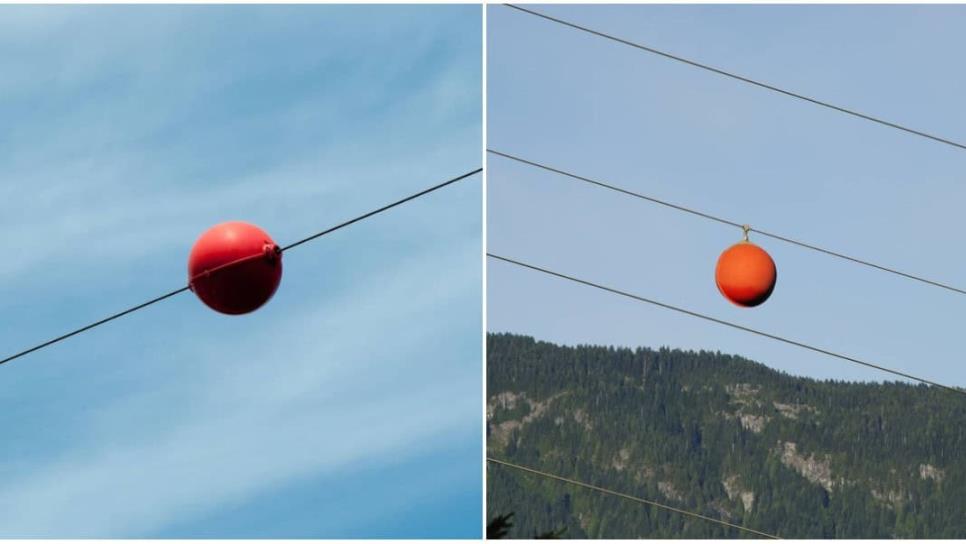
745	274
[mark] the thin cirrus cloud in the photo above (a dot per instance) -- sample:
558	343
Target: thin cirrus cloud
252	425
153	162
126	143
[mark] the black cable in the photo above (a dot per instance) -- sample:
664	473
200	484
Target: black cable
628	497
737	77
613	188
728	324
727	222
290	246
382	209
95	324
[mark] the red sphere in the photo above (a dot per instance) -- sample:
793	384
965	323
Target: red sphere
235	267
746	274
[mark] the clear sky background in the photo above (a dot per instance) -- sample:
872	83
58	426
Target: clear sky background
349	406
611	112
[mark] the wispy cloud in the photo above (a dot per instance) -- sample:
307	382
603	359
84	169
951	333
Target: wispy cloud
123	141
288	405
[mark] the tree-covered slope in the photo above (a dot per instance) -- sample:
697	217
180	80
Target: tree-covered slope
719	435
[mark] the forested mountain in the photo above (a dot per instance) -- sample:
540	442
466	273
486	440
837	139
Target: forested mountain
719	435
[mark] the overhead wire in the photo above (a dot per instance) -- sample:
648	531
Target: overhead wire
384	208
629	497
705	317
95	324
741	78
283	249
728	222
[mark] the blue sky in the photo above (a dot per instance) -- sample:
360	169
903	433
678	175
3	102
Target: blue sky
596	108
349	406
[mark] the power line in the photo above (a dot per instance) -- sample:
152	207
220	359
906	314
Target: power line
290	246
95	324
628	497
723	221
743	79
727	323
384	208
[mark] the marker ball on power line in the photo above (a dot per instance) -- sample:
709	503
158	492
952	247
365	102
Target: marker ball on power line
235	267
745	274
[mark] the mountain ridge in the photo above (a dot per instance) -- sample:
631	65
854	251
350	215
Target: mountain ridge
721	435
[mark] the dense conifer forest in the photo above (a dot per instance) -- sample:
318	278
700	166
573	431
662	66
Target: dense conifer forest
719	435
